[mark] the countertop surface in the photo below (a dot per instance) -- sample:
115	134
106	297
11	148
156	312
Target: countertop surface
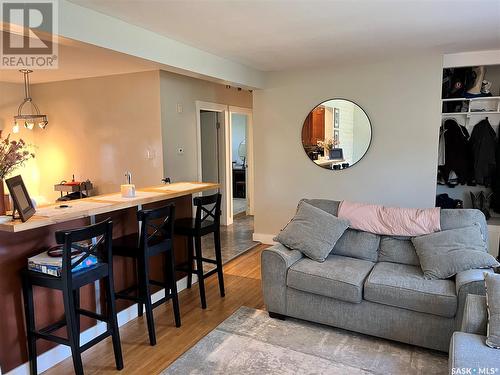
100	204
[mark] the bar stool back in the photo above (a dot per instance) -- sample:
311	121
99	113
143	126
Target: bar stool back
206	221
155	237
91	240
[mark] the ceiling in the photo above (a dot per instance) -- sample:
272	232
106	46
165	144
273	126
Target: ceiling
81	60
279	35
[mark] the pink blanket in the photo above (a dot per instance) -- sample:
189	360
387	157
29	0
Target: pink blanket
393	221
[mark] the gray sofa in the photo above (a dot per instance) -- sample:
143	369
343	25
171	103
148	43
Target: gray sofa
372	284
467	347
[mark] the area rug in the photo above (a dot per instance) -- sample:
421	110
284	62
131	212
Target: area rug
249	342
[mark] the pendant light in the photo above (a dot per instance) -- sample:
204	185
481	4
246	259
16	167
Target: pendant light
31	115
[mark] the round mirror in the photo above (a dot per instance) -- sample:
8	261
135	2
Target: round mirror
336	134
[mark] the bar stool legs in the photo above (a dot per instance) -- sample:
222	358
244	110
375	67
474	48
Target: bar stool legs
199	266
218	259
30	325
190	261
113	323
171	287
199	271
146	293
73	335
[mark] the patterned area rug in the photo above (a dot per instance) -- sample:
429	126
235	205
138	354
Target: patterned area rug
249	342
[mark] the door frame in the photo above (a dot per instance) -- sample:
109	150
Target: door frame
250	157
224	156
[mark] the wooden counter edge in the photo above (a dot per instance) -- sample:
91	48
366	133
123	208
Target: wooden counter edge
38	221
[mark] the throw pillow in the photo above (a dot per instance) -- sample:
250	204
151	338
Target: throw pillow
312	231
358	244
398	250
443	254
492	282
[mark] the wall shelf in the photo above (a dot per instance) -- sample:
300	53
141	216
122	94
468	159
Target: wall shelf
482	106
482	98
472	113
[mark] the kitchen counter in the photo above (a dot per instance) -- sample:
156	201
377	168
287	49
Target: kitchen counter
92	206
19	241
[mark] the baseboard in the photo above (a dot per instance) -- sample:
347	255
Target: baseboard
266	239
59	353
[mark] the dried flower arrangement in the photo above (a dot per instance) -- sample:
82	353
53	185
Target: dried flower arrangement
328	144
13	154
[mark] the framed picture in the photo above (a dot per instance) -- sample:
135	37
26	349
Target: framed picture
22	201
336	118
336	135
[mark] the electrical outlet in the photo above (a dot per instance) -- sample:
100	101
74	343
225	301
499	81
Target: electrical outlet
180	151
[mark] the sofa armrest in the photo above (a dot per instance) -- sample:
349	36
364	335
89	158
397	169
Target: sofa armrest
468	282
475	317
275	262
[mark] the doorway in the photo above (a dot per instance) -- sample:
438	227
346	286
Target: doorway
239	163
242	176
223	137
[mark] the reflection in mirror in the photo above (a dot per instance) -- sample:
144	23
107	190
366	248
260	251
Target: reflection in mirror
336	134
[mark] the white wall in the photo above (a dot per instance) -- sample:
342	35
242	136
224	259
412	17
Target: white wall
402	99
98	129
238	134
179	129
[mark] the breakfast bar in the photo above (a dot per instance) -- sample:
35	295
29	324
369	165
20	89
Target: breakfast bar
21	240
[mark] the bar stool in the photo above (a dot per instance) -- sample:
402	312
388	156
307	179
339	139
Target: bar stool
207	221
91	240
155	237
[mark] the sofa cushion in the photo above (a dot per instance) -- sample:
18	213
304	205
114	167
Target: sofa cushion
459	218
397	250
358	244
312	231
326	205
444	254
492	282
404	286
469	351
337	277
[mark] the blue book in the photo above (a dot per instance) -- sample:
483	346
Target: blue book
53	265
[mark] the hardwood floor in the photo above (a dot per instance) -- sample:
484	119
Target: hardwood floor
243	288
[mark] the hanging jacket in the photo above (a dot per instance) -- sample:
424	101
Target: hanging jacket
483	144
495	204
456	151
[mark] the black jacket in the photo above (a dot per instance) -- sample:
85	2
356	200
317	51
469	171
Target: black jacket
456	151
483	144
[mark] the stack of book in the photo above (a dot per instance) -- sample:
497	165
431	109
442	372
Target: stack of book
53	265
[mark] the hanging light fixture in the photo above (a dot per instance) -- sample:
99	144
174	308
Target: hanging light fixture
31	115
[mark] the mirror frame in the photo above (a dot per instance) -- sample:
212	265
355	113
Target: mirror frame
369	142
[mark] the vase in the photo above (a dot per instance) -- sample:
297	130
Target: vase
2	199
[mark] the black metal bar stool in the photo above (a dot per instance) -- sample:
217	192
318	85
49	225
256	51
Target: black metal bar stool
155	237
207	221
93	240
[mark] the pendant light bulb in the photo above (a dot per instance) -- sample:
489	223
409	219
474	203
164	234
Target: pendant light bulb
15	128
28	112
